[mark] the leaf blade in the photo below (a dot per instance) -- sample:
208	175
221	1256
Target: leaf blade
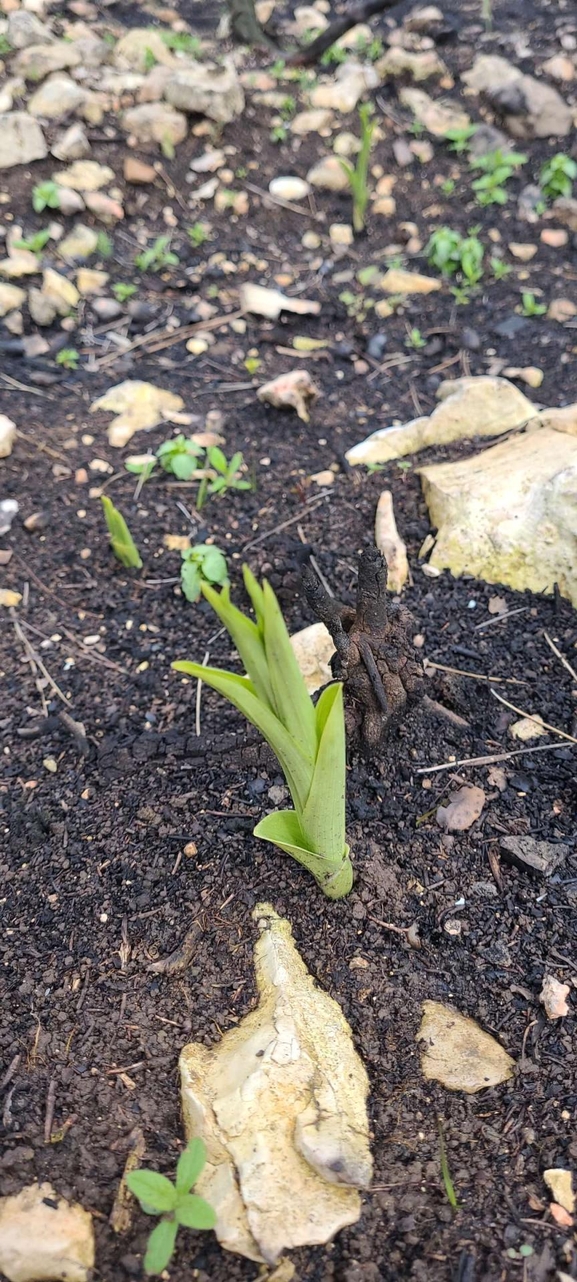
195	1213
292	700
323	817
190	1165
152	1188
160	1246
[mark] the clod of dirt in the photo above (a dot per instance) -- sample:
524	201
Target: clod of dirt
390	543
44	1238
139	406
7	435
478	406
536	856
458	1054
281	1106
528	728
314	648
560	1182
463	809
292	390
553	997
270	302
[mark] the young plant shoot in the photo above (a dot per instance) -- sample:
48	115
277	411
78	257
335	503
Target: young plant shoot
358	174
174	1202
308	741
203	563
121	540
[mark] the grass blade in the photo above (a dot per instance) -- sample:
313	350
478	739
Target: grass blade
292	701
323	818
247	640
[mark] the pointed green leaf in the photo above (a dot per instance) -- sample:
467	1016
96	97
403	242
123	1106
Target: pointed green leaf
292	700
241	693
256	595
121	540
195	1213
323	817
160	1246
217	459
190	1164
283	829
247	640
155	1190
190	580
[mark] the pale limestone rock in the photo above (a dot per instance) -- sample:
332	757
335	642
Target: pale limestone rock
462	810
85	175
528	728
43	1238
90	282
38	61
390	543
71	202
213	91
293	390
561	310
71	145
532	109
561	420
80	243
308	18
314	649
289	187
20	262
560	1181
346	144
420	66
281	1106
341	235
42	308
133	50
342	93
476	406
103	207
11	297
509	515
61	292
490	73
559	67
155	122
311	122
7	435
565	210
21	140
271	302
328	175
25	29
398	281
458	1054
553	997
139	406
58	96
153	86
438	116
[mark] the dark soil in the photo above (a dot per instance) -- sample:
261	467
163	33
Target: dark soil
98	875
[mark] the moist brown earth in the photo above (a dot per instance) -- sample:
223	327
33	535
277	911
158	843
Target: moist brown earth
116	844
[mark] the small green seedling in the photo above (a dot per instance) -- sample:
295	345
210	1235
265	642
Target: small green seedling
5	47
499	268
557	176
149	59
445	1172
332	57
227	476
68	357
279	134
45	196
142	466
36	242
461	294
122	291
308	741
198	234
174	1202
157	256
121	540
530	306
415	339
182	42
203	563
497	168
104	245
358	174
448	186
459	139
180	456
450	253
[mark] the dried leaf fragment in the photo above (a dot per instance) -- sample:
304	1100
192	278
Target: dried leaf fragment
290	391
463	809
139	406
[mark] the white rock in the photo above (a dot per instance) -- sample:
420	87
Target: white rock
71	202
558	1180
553	997
281	1105
438	116
271	302
213	91
85	175
528	728
311	122
7	435
342	93
80	243
509	515
71	145
490	73
58	96
398	281
133	50
155	122
38	61
314	649
390	543
61	292
139	407
457	1053
532	109
89	281
25	29
341	235
293	390
420	66
559	67
477	406
42	308
21	140
11	297
43	1238
289	188
328	175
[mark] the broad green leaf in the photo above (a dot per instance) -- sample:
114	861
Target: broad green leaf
190	1164
234	464
190	580
213	563
256	595
160	1246
183	466
241	693
217	459
323	818
283	829
291	698
121	540
155	1190
247	639
195	1213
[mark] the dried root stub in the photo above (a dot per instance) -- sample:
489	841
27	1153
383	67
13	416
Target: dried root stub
375	657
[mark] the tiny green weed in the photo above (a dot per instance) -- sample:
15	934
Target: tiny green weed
499	268
36	242
123	291
448	186
530	306
450	253
461	294
203	563
557	176
182	42
5	47
497	168
45	196
121	540
149	59
157	256
68	357
174	1202
459	139
104	246
198	234
359	173
415	339
446	1174
180	456
279	134
226	478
